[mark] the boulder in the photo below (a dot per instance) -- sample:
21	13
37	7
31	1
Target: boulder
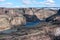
57	20
57	31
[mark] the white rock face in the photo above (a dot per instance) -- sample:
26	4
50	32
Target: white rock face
18	21
57	31
4	23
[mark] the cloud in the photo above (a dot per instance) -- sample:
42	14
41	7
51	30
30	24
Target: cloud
9	3
45	2
29	3
6	4
2	0
26	2
17	6
49	2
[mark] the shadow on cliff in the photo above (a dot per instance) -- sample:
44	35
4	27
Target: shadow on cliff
31	18
31	21
51	18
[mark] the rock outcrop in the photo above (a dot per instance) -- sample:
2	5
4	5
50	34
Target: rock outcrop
7	22
29	11
16	21
44	13
4	23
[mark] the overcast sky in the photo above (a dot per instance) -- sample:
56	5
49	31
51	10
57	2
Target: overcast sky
29	3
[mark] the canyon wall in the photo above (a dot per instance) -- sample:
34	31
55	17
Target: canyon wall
15	16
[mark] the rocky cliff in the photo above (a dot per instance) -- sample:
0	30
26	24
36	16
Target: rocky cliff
13	20
15	16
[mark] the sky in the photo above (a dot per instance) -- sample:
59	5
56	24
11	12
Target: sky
29	3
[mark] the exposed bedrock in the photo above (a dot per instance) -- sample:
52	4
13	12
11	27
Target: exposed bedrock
4	22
